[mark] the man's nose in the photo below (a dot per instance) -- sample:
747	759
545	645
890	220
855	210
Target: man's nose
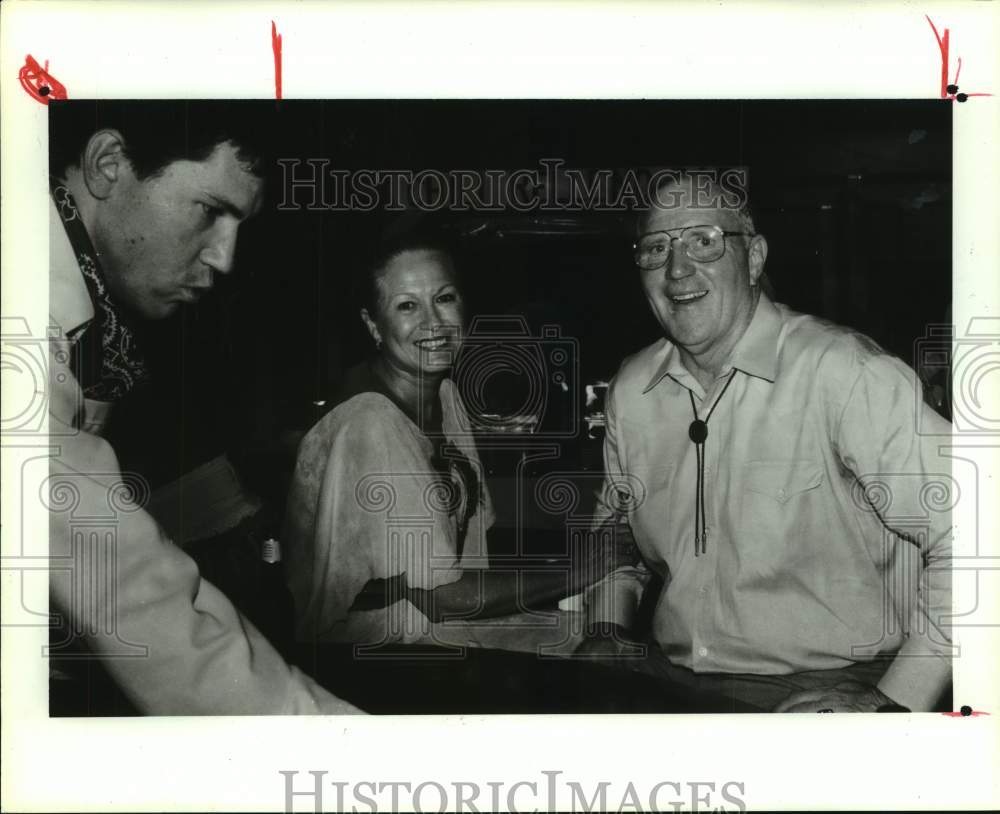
221	250
679	265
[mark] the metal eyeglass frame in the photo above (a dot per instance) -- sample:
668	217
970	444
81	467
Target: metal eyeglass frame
682	230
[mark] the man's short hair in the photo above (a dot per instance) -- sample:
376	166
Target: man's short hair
157	133
693	178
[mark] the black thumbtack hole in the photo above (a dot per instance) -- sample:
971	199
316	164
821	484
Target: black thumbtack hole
44	90
966	711
962	97
952	88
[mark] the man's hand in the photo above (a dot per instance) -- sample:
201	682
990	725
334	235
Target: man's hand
848	696
594	557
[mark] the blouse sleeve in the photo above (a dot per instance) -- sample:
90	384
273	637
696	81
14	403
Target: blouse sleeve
365	480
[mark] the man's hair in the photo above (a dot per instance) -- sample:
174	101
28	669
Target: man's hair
157	133
741	209
688	178
391	245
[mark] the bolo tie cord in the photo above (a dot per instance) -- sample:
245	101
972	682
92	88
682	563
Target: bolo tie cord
698	432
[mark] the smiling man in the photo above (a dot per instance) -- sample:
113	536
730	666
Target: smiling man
766	442
147	200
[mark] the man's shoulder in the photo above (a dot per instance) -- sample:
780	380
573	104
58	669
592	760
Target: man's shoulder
636	370
824	343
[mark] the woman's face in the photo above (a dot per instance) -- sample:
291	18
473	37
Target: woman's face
420	315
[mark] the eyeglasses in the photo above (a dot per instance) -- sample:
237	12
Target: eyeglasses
701	243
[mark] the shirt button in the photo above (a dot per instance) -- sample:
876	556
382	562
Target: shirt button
702	651
703	589
781	494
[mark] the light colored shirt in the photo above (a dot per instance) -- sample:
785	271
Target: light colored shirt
823	545
366	503
173	643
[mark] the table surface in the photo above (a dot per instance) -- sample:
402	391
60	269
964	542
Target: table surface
431	679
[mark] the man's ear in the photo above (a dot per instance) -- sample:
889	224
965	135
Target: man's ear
756	257
103	162
370	325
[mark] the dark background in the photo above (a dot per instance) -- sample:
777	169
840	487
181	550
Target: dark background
853	196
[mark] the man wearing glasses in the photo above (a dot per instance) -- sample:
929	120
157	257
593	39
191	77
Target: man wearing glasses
766	442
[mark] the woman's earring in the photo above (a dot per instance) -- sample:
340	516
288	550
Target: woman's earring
378	344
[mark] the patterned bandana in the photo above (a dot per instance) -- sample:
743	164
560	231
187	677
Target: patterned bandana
107	362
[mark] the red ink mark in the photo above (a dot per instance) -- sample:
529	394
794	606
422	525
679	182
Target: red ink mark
960	714
39	83
276	48
943	48
949	90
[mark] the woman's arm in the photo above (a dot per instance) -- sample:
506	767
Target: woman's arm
484	594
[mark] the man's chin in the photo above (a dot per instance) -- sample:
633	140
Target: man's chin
157	311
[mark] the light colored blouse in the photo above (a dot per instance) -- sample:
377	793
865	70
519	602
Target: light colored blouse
367	502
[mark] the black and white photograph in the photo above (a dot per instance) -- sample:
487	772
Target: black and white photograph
499	407
503	406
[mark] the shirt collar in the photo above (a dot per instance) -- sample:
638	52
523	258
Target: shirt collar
756	353
69	300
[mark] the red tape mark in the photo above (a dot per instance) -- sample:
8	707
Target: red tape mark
949	90
276	48
971	714
39	83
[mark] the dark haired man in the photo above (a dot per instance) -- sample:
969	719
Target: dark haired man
143	220
147	203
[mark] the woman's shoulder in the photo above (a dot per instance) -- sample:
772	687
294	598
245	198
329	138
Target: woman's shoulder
359	402
364	413
361	431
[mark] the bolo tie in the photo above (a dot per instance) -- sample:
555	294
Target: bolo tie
698	432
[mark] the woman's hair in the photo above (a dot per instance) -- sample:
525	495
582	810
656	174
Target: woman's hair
391	246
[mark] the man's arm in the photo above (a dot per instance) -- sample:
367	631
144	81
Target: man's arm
611	604
174	643
887	435
907	458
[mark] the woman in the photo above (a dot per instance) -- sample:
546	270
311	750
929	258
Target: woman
388	512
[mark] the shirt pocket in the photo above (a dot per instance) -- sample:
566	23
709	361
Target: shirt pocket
783	481
781	513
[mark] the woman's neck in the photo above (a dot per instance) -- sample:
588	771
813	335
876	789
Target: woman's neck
420	395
